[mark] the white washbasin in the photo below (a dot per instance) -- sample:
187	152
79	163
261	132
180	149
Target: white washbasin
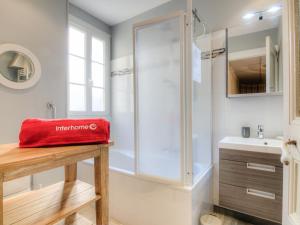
252	144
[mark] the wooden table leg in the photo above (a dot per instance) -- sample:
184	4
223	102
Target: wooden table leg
71	172
1	201
70	176
101	167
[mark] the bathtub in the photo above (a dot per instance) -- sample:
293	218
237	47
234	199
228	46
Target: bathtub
121	160
138	201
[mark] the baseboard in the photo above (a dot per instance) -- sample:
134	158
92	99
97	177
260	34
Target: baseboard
243	217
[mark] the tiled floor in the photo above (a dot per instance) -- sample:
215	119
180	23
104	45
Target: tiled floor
89	213
229	220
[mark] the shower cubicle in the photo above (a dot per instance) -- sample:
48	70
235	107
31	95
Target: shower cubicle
168	120
161	120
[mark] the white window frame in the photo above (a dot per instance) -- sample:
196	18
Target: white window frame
91	31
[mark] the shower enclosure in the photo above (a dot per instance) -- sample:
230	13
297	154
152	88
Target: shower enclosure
161	121
170	130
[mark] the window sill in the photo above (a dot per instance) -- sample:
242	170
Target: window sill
78	116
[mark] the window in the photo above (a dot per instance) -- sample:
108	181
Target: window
88	80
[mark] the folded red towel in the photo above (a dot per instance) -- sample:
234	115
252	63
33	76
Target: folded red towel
38	133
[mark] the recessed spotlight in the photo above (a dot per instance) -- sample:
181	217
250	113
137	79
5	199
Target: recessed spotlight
248	16
274	9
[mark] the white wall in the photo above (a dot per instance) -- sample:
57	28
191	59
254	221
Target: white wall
230	114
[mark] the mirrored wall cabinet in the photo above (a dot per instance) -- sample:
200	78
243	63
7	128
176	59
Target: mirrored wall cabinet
254	57
19	67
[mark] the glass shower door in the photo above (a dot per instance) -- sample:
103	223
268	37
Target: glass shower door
158	58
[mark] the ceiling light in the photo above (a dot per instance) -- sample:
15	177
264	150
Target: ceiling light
274	9
249	16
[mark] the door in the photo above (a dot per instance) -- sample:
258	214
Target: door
158	65
291	148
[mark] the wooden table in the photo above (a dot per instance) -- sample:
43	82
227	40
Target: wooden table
58	203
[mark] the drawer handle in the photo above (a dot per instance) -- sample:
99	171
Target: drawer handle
261	194
261	167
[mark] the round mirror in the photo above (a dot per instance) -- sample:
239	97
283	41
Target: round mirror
19	68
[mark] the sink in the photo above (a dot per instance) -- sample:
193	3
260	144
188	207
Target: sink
252	144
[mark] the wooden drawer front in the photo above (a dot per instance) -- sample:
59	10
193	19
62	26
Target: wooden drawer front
253	157
251	202
251	175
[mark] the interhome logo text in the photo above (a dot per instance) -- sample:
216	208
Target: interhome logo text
92	126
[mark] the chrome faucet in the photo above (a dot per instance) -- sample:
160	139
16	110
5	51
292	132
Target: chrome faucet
260	132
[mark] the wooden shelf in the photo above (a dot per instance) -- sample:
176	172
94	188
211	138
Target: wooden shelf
50	205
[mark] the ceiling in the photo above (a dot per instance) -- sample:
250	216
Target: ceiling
113	12
220	14
216	13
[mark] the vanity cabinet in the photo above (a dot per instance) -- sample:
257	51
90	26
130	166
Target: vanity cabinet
251	183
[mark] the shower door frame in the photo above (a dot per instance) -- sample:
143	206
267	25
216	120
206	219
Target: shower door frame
183	140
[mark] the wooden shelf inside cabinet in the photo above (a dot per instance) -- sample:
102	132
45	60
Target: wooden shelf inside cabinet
59	203
48	205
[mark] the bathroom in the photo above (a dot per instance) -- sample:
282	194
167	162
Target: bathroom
201	97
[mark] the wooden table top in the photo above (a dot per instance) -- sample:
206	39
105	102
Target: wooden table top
12	157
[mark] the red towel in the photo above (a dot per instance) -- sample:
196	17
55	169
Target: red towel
39	133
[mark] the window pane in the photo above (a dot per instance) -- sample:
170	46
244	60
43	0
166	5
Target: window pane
77	98
97	50
76	42
76	70
98	100
98	75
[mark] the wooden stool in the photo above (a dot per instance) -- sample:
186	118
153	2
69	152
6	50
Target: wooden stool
58	203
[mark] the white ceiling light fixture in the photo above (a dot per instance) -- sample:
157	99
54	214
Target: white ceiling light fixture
274	9
248	16
261	14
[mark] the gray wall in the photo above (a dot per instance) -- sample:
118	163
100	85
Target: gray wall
40	26
252	40
122	43
77	12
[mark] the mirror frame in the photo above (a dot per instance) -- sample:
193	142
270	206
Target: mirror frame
36	63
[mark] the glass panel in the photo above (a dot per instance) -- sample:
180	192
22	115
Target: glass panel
97	50
76	70
158	89
76	42
98	75
201	105
123	123
77	98
98	100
